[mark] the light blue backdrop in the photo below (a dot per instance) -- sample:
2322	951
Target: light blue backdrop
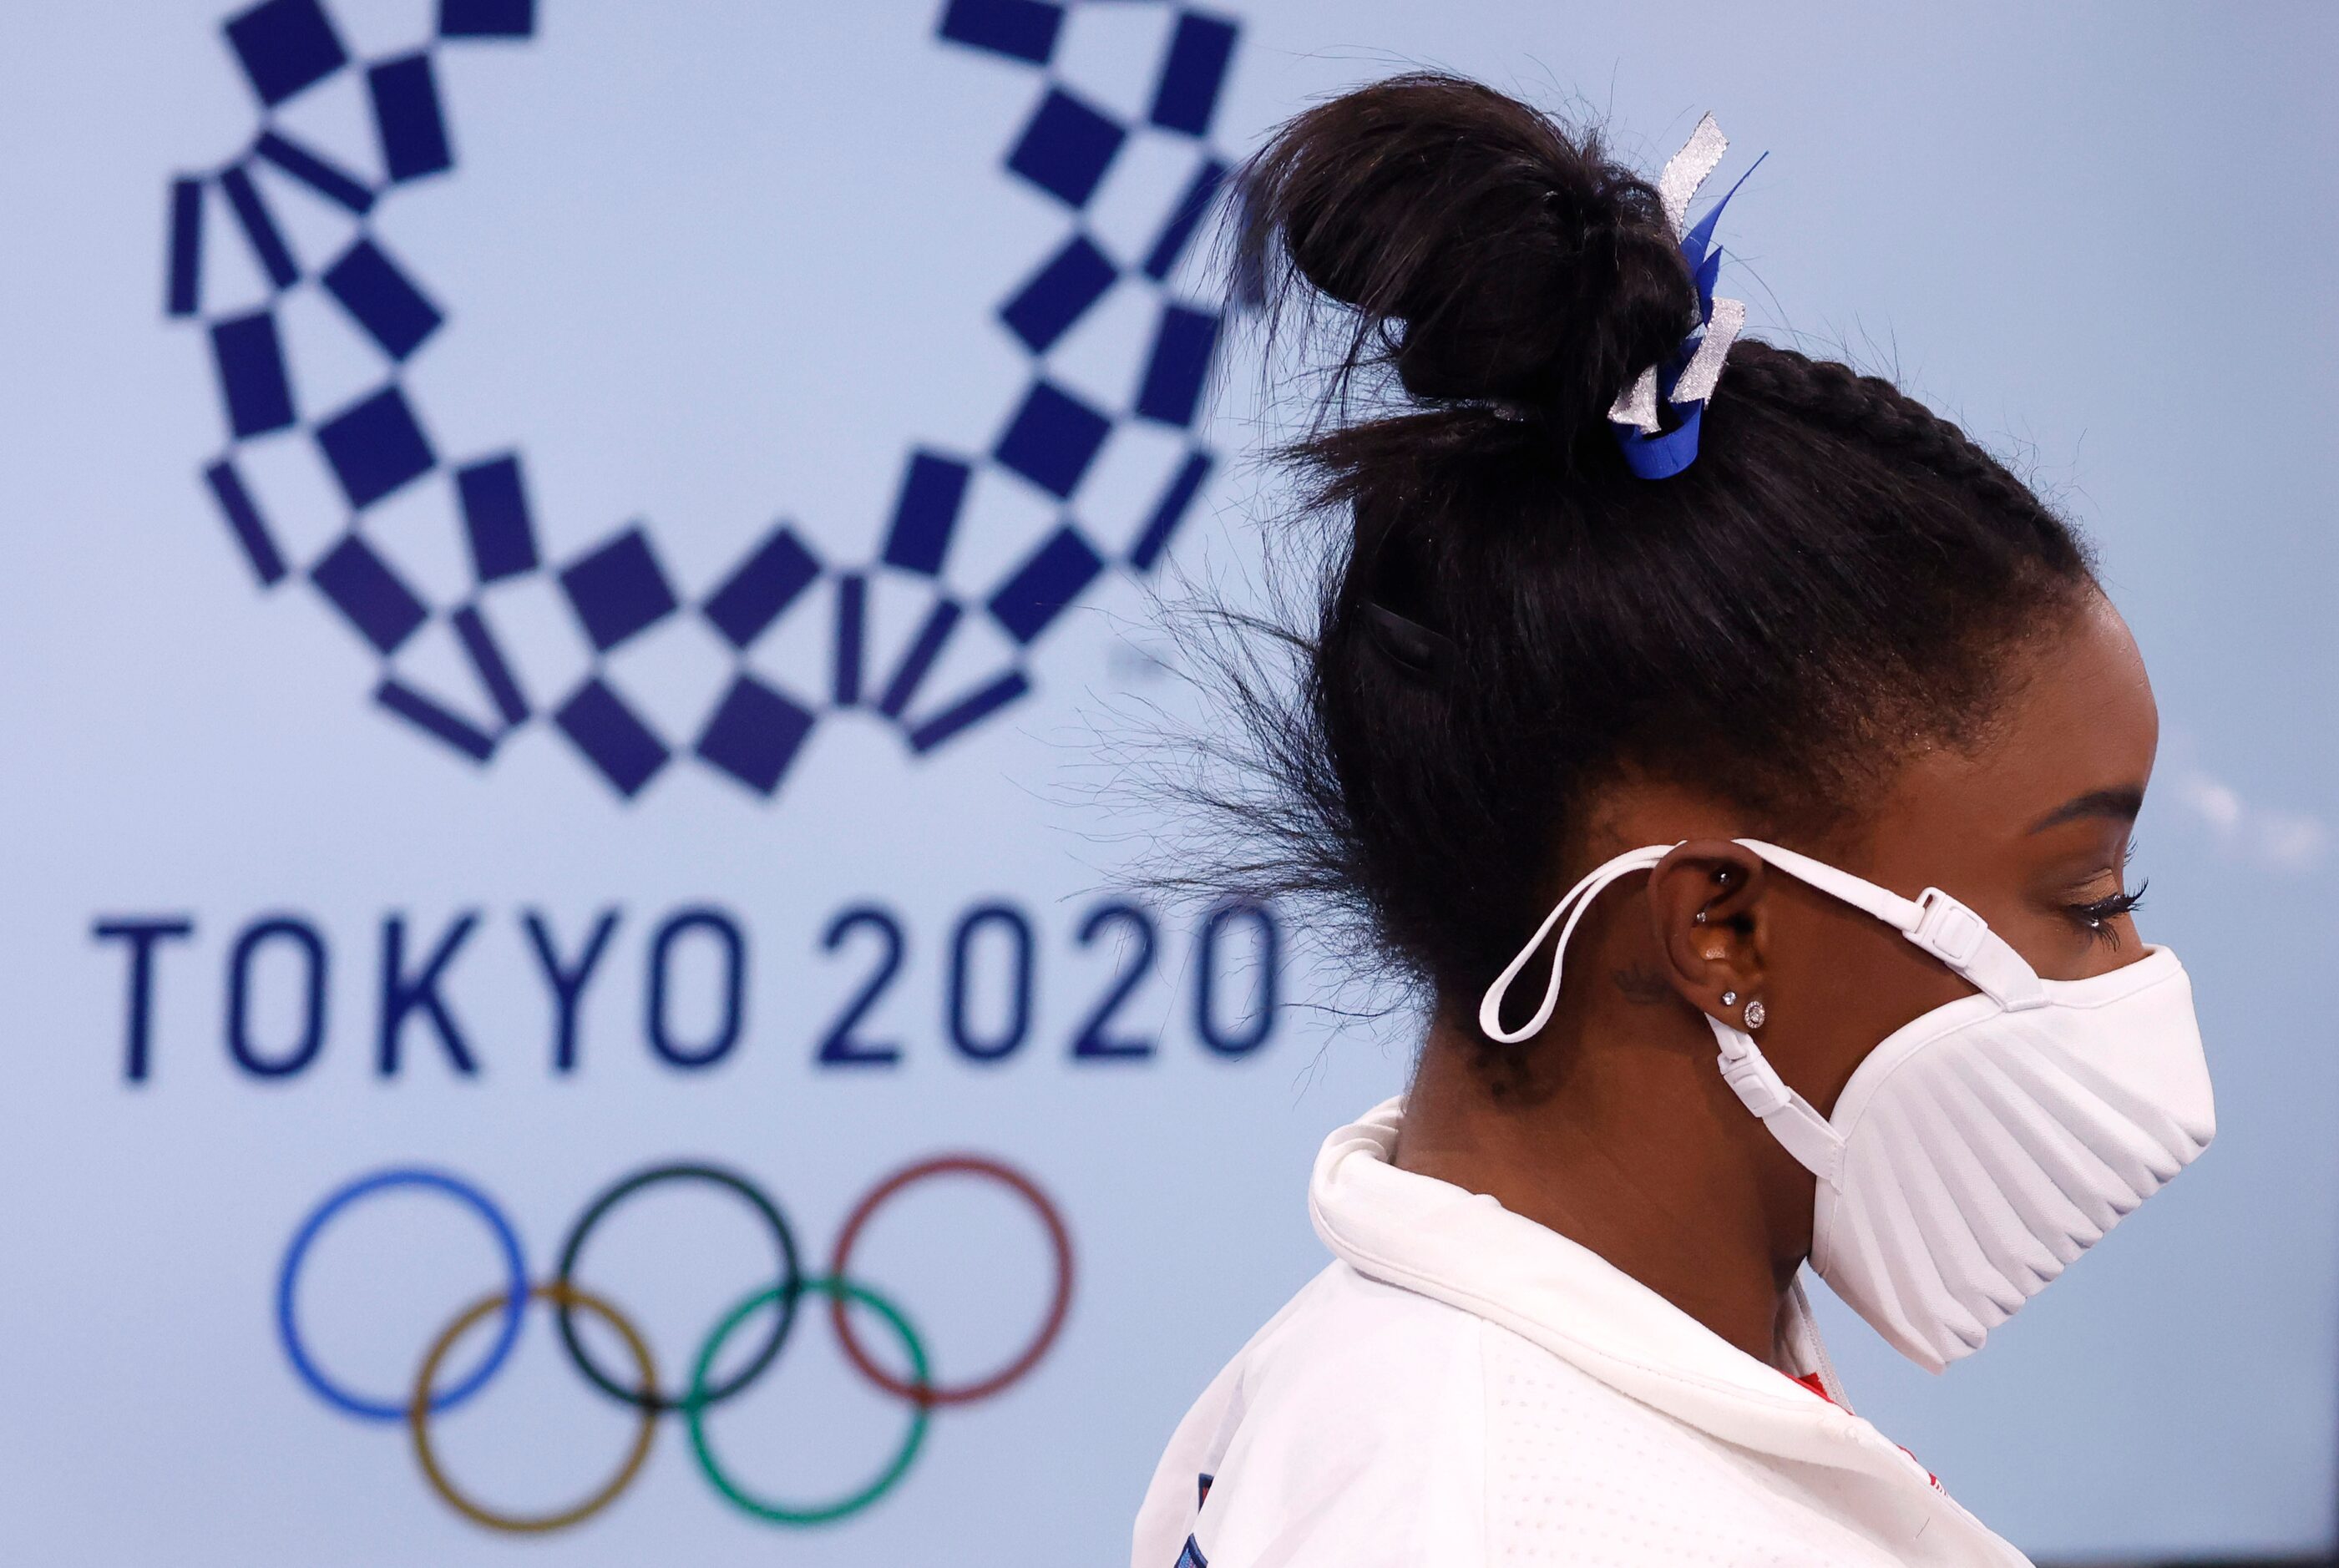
710	266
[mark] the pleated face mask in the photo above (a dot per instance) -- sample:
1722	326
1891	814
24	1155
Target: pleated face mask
1979	1148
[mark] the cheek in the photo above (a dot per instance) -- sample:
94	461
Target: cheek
1835	986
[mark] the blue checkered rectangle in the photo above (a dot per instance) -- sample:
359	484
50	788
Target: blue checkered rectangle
1067	147
251	530
285	46
754	734
252	215
1020	29
487	18
375	447
1052	439
434	720
1179	364
1052	579
330	181
383	609
1044	308
971	711
407	116
762	590
253	382
186	247
495	517
619	590
924	649
627	751
487	660
384	301
1170	511
1184	218
932	490
852	613
1193	73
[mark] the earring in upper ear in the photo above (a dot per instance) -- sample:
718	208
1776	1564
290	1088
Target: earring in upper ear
1755	1013
1699	919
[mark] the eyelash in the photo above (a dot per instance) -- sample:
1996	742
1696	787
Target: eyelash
2096	918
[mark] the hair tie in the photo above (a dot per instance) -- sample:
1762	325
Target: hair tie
1687	378
1410	646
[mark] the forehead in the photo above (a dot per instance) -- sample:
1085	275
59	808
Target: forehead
2078	716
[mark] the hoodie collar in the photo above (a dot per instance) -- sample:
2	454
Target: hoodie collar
1467	1250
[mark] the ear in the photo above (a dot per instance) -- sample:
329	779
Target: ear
1707	899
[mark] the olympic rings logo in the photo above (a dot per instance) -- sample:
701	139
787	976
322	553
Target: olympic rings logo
638	1387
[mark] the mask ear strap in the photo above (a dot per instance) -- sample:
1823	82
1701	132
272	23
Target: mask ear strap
1793	1120
1903	914
1571	907
1936	922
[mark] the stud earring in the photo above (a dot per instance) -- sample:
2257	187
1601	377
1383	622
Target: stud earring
1729	999
1699	919
1755	1013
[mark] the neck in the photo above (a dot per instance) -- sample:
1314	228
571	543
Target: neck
1618	1133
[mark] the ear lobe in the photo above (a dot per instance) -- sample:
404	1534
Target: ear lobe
1706	899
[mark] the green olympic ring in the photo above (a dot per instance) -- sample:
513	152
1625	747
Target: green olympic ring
695	1404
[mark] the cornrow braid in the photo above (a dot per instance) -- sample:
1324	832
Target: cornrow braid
1873	411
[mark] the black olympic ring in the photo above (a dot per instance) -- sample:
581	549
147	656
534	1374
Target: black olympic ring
921	1391
790	1289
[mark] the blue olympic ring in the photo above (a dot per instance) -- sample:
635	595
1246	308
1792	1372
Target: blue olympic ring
515	1297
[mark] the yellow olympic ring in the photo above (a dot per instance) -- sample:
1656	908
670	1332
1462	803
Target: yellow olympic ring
418	1414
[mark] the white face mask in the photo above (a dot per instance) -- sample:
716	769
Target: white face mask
1982	1147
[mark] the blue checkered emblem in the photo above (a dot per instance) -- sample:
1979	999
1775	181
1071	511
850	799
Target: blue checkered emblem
750	726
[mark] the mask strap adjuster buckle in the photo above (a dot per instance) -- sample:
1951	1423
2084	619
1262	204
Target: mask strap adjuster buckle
1963	939
1947	929
1751	1077
1792	1120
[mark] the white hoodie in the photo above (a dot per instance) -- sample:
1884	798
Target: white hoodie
1462	1388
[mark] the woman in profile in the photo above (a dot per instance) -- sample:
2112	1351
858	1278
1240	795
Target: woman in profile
1741	762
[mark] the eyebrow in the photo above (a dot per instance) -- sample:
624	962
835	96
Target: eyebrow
2120	804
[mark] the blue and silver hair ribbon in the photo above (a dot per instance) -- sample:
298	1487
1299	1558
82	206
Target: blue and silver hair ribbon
1687	378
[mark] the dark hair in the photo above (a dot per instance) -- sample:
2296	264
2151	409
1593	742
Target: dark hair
1511	617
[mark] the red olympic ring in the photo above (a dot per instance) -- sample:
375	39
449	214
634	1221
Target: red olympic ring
1058	1239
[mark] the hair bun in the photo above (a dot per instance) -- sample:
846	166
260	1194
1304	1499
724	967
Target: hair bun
1486	252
